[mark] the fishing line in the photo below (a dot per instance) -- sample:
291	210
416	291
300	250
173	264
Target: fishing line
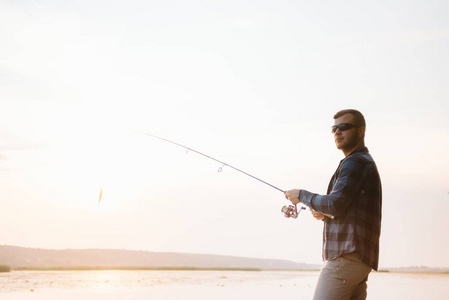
289	211
214	159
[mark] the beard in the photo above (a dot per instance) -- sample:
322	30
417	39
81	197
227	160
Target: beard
348	143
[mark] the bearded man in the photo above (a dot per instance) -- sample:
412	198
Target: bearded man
351	212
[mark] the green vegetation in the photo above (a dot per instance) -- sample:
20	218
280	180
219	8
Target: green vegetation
5	268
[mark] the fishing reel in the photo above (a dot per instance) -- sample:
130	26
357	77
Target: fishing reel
291	211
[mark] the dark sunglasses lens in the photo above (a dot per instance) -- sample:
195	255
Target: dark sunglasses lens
345	126
342	127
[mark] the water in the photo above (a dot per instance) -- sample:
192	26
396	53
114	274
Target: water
202	285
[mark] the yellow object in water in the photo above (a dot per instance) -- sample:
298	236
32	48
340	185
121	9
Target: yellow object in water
101	194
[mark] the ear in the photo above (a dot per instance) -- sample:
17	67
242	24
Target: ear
361	132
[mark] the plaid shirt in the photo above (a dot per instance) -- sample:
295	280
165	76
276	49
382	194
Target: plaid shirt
354	198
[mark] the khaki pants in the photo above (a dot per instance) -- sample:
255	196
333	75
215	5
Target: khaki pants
343	278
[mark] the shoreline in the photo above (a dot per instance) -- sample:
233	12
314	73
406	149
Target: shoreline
189	268
145	268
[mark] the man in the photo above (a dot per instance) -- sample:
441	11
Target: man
354	200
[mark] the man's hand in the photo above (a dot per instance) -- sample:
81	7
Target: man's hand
317	215
292	195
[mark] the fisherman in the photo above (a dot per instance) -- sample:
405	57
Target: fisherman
354	199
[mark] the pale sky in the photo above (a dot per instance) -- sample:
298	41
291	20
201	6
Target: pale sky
251	83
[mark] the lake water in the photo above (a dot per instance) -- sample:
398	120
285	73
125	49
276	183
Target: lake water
202	285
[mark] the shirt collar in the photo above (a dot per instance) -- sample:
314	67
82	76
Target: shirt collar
359	149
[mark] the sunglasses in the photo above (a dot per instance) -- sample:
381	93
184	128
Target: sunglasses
343	127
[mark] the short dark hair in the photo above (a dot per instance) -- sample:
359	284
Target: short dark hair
359	119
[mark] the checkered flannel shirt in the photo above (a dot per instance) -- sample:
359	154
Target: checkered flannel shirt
354	198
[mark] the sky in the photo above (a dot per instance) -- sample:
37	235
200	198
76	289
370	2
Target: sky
254	84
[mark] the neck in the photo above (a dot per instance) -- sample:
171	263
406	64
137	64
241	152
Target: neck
346	152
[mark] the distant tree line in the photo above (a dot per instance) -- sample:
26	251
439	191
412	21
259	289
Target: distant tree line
5	268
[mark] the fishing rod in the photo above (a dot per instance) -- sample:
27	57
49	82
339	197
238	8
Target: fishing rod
289	211
214	159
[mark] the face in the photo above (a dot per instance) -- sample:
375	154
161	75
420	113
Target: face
350	139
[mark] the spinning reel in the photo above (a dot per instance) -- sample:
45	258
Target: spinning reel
291	211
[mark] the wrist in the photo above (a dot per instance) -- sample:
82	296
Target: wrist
298	195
